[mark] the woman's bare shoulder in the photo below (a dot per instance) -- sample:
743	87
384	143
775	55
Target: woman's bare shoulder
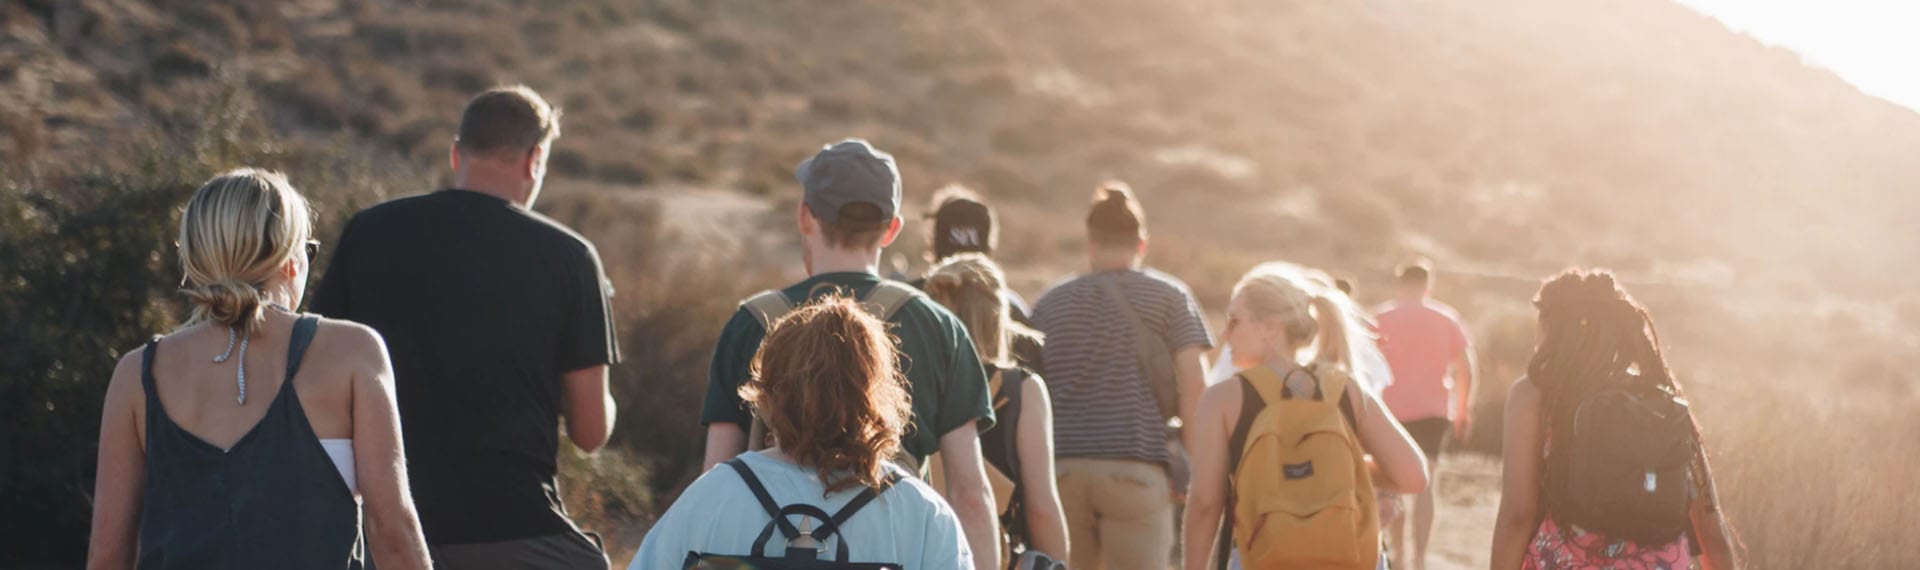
357	349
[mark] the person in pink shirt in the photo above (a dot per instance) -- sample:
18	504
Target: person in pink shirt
1432	362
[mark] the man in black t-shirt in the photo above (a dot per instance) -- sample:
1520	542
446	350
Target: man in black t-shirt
498	322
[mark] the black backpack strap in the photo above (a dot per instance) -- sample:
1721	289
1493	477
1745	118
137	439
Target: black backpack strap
766	501
829	524
866	496
1013	388
1250	406
303	330
819	535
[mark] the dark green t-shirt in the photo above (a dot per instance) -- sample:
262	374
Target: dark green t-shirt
943	371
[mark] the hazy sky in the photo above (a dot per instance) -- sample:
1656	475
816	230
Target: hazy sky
1874	44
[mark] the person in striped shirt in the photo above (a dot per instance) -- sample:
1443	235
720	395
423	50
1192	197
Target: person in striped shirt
1109	434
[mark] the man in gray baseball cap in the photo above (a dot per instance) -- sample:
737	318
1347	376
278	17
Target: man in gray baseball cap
845	179
849	211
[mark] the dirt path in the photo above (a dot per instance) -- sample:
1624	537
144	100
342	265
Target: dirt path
1469	500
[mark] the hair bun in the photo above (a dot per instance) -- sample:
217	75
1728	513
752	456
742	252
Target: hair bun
1116	213
229	302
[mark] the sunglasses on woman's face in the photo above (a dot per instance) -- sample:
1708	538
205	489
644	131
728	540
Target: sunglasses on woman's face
313	249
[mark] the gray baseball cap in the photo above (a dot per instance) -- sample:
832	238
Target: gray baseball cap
849	172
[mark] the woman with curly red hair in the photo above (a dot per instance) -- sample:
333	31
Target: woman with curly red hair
828	385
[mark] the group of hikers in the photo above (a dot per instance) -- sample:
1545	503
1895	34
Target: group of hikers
854	421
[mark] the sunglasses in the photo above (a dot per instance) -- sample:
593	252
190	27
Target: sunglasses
313	249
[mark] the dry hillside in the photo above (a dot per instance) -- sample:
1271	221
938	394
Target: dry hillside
1759	205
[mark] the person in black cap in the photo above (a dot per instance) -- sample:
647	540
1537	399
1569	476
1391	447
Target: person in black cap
848	212
962	223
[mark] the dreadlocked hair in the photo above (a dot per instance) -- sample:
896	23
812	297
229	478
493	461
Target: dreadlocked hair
1593	334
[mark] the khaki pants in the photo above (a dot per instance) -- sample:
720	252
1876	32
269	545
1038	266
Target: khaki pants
1119	513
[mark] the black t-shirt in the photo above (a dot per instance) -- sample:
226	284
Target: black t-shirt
483	305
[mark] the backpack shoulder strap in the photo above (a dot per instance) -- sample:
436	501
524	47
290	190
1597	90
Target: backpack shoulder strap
830	526
996	382
1118	297
1335	378
866	496
1009	387
760	494
768	306
1266	382
887	297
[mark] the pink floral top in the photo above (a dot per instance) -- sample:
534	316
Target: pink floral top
1576	549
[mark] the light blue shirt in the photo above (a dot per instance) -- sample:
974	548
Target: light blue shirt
909	524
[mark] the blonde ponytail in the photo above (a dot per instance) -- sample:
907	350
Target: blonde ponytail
1315	313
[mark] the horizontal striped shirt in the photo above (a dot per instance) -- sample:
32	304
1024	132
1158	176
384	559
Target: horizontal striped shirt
1102	407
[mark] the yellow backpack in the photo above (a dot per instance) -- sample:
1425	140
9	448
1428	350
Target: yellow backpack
1303	496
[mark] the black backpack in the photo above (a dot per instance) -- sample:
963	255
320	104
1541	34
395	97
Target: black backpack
1627	463
802	551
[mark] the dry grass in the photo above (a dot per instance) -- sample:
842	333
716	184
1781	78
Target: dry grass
1753	202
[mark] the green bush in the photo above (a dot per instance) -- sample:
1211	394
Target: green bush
88	270
83	266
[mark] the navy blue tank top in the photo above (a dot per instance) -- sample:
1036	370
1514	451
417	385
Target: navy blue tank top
274	500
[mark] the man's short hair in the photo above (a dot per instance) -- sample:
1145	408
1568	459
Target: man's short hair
507	121
861	226
1418	272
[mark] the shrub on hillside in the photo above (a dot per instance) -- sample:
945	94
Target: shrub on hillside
89	272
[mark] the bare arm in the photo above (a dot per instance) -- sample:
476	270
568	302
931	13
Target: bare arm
589	408
1190	374
1463	387
1046	520
1403	468
968	493
394	537
724	441
1207	496
1710	526
1519	514
117	489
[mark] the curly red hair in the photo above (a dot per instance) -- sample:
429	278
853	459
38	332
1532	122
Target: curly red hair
827	384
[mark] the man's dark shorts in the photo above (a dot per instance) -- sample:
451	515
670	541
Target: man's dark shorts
1430	434
570	550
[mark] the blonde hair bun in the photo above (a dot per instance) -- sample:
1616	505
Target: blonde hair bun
238	231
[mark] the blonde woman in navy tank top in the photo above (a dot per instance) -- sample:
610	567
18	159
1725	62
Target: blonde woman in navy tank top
250	437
